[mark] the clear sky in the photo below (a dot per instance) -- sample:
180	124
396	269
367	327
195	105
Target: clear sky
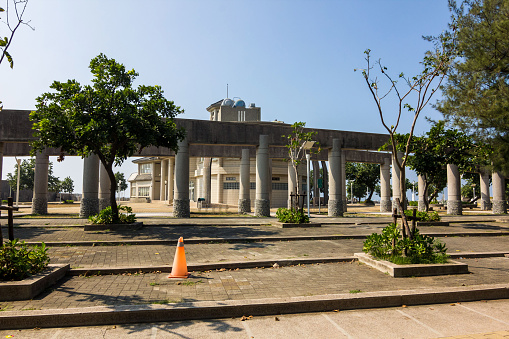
293	58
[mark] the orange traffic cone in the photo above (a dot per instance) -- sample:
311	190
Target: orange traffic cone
179	268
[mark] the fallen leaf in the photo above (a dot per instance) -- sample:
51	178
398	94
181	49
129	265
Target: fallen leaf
276	318
336	310
403	305
453	304
156	253
9	336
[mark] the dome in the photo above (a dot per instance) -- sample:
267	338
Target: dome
239	103
227	102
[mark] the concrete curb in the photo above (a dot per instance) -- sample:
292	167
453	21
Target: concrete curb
108	315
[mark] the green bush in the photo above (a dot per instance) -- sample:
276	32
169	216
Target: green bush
106	216
68	201
18	261
291	216
424	216
4	202
413	203
421	249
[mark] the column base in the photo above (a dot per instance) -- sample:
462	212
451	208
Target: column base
181	208
103	203
395	206
262	207
40	206
385	205
335	208
244	206
485	205
88	207
499	207
345	205
454	207
421	207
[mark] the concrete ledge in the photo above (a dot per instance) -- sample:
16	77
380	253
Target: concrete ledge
108	315
292	225
208	267
114	227
420	270
432	223
29	288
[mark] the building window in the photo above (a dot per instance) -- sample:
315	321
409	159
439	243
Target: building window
252	185
133	191
231	179
280	186
231	185
143	191
276	179
145	168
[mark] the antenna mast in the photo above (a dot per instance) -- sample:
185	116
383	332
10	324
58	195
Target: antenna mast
227	90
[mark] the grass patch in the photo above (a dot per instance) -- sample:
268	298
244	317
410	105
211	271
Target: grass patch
189	282
154	284
355	291
165	301
437	259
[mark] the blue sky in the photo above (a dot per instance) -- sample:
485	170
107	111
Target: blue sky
293	58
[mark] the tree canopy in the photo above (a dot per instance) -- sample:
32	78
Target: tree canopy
26	179
476	94
109	118
364	177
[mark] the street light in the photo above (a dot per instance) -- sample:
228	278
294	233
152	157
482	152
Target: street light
307	145
17	188
473	186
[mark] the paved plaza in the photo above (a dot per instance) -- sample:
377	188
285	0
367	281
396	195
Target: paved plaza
479	240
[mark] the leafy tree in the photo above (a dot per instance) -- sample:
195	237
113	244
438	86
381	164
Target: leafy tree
297	139
476	95
467	190
364	176
67	185
109	118
27	174
13	22
121	182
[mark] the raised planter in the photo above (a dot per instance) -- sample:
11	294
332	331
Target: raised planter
30	287
114	227
412	270
290	225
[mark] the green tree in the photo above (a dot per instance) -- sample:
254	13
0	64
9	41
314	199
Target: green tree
67	185
121	182
13	19
26	179
109	118
365	177
476	95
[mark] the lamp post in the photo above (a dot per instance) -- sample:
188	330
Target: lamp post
307	145
473	187
17	188
413	191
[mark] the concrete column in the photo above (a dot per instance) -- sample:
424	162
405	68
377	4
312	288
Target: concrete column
343	181
245	187
40	200
485	191
499	204
171	179
219	188
153	183
454	206
396	175
385	186
1	157
164	175
104	188
181	208
292	183
326	183
207	180
89	200
262	202
421	205
336	183
316	189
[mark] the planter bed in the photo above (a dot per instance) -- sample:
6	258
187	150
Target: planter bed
114	227
413	270
30	287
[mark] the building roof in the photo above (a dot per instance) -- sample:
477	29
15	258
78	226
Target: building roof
215	105
140	177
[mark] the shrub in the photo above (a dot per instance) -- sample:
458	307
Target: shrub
106	216
68	201
4	202
425	216
421	249
292	216
18	261
413	203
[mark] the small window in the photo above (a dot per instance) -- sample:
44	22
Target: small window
143	191
276	179
280	186
231	185
145	168
231	179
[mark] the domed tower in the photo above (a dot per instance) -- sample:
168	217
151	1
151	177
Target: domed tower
234	110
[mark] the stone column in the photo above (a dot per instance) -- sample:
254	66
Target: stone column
396	189
343	181
181	208
421	205
164	175
219	188
325	174
485	191
262	202
104	188
245	186
40	200
171	179
385	186
499	204
1	157
292	183
153	183
336	183
316	189
454	206
207	181
89	200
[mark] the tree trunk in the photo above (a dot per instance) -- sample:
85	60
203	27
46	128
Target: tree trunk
113	189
